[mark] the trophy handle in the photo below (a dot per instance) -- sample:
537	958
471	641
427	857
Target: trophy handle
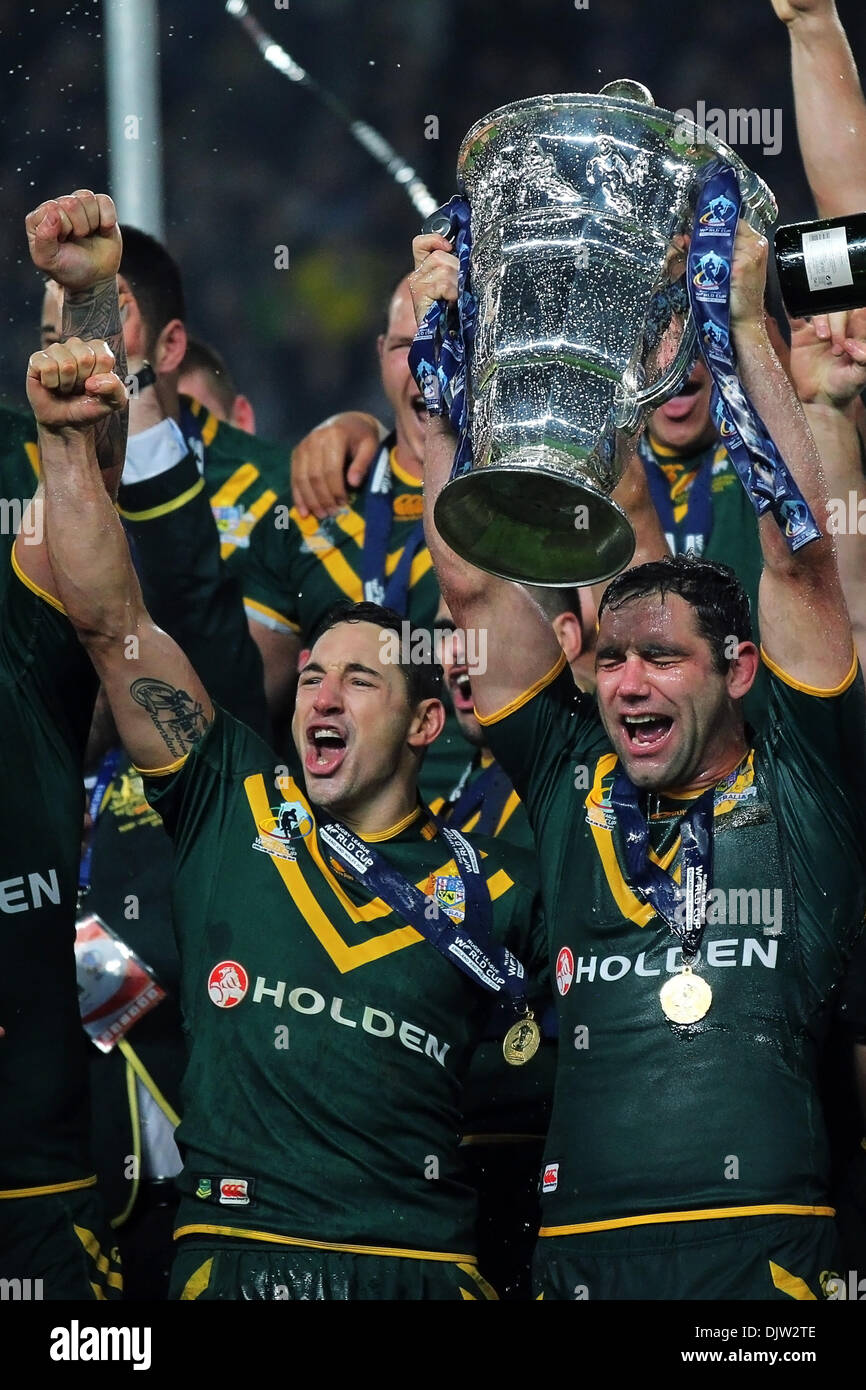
630	407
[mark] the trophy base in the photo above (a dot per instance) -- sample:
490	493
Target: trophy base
534	526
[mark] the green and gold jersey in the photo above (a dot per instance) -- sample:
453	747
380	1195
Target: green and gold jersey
19	474
243	473
720	1117
501	1102
47	690
501	813
297	568
328	1039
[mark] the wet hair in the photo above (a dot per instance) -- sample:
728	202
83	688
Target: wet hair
424	679
154	278
200	357
712	590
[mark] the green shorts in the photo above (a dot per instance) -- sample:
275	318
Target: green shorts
58	1246
257	1271
749	1257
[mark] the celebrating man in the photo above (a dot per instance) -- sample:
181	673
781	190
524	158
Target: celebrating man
702	898
332	1021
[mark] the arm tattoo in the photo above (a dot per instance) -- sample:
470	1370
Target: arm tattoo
95	313
179	719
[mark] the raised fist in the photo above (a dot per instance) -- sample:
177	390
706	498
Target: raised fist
72	385
75	239
435	273
789	10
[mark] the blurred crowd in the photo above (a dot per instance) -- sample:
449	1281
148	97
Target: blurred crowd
252	162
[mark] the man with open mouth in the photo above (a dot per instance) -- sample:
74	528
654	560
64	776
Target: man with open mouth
365	543
703	888
340	952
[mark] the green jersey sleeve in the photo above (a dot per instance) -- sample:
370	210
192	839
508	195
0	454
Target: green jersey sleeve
41	653
188	588
551	732
270	596
187	792
815	746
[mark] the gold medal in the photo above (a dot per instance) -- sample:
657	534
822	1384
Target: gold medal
685	997
522	1041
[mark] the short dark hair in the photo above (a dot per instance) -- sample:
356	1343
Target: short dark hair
720	602
201	357
154	278
424	679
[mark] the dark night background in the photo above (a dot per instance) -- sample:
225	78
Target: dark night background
251	161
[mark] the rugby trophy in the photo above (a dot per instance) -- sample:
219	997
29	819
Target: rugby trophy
581	206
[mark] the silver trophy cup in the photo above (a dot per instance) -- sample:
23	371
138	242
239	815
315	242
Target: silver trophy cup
581	209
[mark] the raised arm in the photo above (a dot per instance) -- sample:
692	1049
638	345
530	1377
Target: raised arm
159	705
831	110
828	384
75	240
521	644
804	622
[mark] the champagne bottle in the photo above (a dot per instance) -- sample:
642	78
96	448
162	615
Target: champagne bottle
822	265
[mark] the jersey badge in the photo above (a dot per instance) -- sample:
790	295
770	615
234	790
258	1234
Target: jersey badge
449	892
227	984
235	1192
290	821
550	1178
599	811
228	520
564	970
738	788
408	506
204	1189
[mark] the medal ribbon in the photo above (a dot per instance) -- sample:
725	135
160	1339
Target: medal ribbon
683	905
759	466
104	777
439	355
477	955
378	524
488	792
698	519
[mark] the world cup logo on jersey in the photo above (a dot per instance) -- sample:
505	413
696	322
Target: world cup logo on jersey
564	970
227	984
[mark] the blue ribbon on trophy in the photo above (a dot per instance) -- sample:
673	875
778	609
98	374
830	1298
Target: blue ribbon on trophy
758	463
438	356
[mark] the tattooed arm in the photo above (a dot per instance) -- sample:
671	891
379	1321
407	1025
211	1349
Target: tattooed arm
75	241
159	705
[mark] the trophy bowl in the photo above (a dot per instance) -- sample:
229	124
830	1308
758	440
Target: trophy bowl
582	207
